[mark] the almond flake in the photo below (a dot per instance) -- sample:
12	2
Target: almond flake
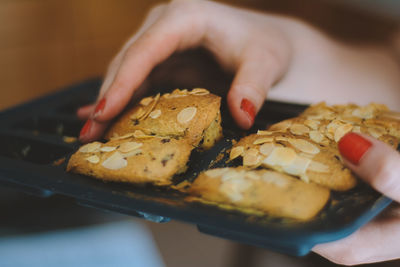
263	140
275	178
146	101
391	115
236	152
167	95
115	161
304	146
93	159
116	137
140	134
90	148
151	107
138	114
129	146
132	153
280	156
264	132
376	132
356	129
251	157
199	91
316	136
214	173
316	166
186	115
299	129
281	138
342	130
313	124
155	114
281	126
366	112
298	166
266	148
107	148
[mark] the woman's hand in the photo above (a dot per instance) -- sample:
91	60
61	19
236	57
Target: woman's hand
379	165
249	44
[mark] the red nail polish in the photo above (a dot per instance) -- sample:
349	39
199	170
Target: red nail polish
353	146
249	108
100	106
86	128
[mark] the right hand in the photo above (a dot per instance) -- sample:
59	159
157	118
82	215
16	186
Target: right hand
249	44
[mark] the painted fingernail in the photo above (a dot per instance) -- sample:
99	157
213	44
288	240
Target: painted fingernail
99	107
86	128
353	146
249	108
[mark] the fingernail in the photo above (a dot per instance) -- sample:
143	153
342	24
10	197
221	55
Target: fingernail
85	128
99	107
249	108
353	146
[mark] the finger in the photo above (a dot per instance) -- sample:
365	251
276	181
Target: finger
167	35
373	161
92	131
257	72
84	112
376	241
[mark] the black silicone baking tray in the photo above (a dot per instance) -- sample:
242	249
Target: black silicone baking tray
35	146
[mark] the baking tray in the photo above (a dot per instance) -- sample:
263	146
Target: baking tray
32	140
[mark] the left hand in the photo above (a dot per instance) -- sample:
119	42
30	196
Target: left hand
379	165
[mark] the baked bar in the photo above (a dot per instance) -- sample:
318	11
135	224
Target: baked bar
194	115
142	159
262	191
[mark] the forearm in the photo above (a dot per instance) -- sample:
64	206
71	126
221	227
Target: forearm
324	69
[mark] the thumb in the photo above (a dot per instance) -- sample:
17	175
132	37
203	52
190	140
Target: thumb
256	73
373	161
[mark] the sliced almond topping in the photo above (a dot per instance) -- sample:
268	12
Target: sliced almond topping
342	130
138	114
214	173
298	166
313	124
376	132
166	95
281	126
281	138
252	175
90	148
316	166
366	112
146	101
132	153
356	129
391	115
316	136
199	91
155	114
122	136
275	178
151	107
236	152
186	115
264	132
280	156
299	129
330	136
140	134
107	148
263	140
129	146
304	146
266	148
115	161
251	157
93	159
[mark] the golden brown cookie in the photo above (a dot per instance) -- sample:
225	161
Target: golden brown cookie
146	159
194	115
294	155
263	191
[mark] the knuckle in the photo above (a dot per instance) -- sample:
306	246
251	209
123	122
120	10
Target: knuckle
385	178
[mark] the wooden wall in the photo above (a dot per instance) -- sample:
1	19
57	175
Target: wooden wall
47	44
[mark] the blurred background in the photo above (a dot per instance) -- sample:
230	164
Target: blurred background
46	45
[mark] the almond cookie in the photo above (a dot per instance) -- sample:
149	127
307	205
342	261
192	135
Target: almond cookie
294	155
143	159
194	115
262	191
